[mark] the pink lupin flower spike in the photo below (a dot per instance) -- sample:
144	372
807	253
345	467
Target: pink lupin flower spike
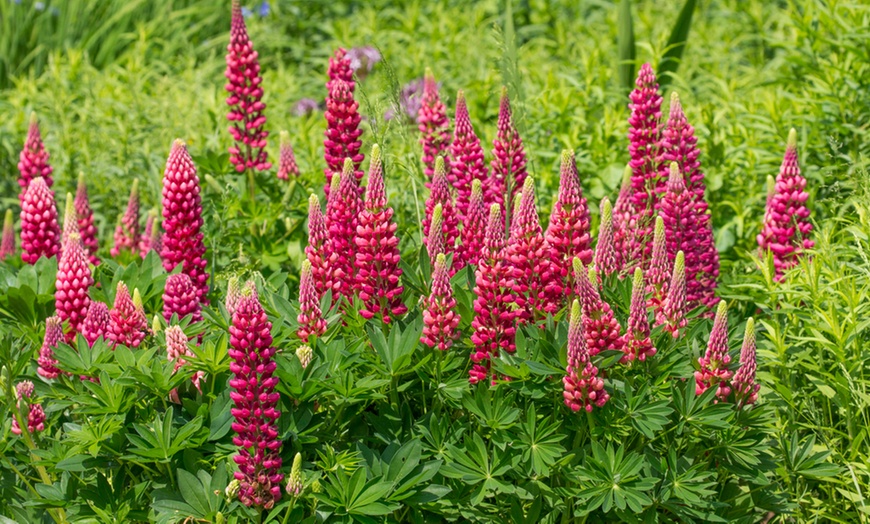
33	160
234	294
342	136
151	239
534	282
287	160
787	228
127	322
310	318
182	220
509	157
244	85
70	224
176	350
342	219
317	251
40	233
568	234
473	227
636	342
441	194
435	239
53	336
377	255
96	323
493	324
7	244
255	400
659	269
744	385
605	251
583	388
599	323
339	68
85	217
127	234
179	298
433	124
672	314
71	300
466	160
714	372
624	224
439	314
35	413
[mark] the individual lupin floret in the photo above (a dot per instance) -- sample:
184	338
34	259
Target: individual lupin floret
441	194
127	234
127	322
85	217
439	309
583	388
636	342
342	219
433	124
659	269
310	318
40	233
473	228
672	314
287	166
714	372
466	162
294	483
509	157
7	244
33	160
96	323
71	300
599	323
53	336
743	385
179	298
605	251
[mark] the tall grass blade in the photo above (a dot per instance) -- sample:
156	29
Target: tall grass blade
625	42
676	43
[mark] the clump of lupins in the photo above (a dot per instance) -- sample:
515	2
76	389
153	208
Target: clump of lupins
317	251
33	160
244	85
672	315
255	401
659	268
605	251
85	217
636	343
787	228
433	123
47	365
473	228
176	351
151	238
342	121
310	318
599	323
127	233
466	160
96	322
286	160
440	194
40	233
179	298
439	309
377	250
714	372
7	243
509	158
568	234
342	218
127	322
743	385
71	300
35	413
583	388
182	220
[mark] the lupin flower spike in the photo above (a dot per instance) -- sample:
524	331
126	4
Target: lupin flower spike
377	256
35	413
53	336
244	85
659	269
317	250
342	137
70	224
605	251
287	160
672	314
96	323
7	244
441	194
744	386
304	354
234	293
310	318
179	298
256	400
71	300
714	370
33	160
473	227
583	388
568	234
127	322
176	351
40	233
466	161
85	217
623	224
636	342
127	234
787	228
433	124
182	220
294	483
439	314
151	239
339	68
509	157
342	219
599	323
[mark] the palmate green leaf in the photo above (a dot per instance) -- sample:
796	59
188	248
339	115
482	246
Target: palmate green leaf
540	443
801	460
646	417
614	479
494	410
160	441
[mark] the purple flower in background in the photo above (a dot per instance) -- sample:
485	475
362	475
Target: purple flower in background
246	12
305	106
39	6
363	60
410	100
264	9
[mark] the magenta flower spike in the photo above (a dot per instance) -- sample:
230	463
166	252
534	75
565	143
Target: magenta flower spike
494	317
605	251
7	244
151	239
256	425
287	160
787	229
245	99
35	413
96	323
644	135
623	225
672	314
509	157
343	210
714	372
377	255
439	314
599	323
85	217
340	68
234	294
433	124
568	234
53	336
342	132
179	298
127	322
583	388
435	240
466	161
176	350
40	233
127	233
33	160
310	318
636	342
440	193
535	285
744	385
473	228
70	224
317	251
182	220
71	300
659	269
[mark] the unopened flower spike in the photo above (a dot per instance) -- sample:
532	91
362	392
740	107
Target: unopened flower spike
7	244
310	318
441	194
304	354
287	166
433	124
435	237
637	344
473	227
294	483
744	385
659	270
714	372
672	314
127	231
605	252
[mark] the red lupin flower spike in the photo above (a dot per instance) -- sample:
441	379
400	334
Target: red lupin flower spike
342	218
473	227
96	323
35	413
659	269
255	400
744	386
636	342
624	224
71	300
583	388
377	255
466	161
605	251
127	234
441	194
7	244
33	160
672	314
244	85
342	132
317	251
176	350
433	124
714	372
85	217
40	233
151	239
509	157
127	322
287	160
53	336
599	323
179	298
340	69
310	318
439	314
435	239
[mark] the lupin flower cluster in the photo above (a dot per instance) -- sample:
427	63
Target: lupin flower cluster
310	318
433	123
71	300
466	160
583	388
509	157
568	234
47	365
151	238
286	160
439	309
624	221
127	322
599	323
605	258
179	298
96	323
177	349
35	413
85	217
636	343
441	194
743	385
40	233
317	251
33	160
7	243
343	210
342	121
473	228
127	235
714	372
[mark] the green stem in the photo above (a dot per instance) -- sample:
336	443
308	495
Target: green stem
289	510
